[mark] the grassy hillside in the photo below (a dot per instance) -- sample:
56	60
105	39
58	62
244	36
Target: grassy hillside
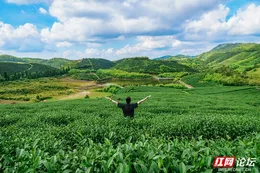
9	58
41	89
197	80
34	60
231	64
10	71
182	132
59	62
145	65
241	57
41	68
54	62
180	58
11	68
94	64
176	57
29	89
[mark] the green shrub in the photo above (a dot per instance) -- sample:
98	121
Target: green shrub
234	80
176	86
111	88
122	74
41	98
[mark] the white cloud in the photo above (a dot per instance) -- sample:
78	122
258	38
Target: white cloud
42	11
209	25
82	20
145	28
92	52
168	9
110	50
154	46
156	42
73	54
85	29
24	38
63	44
96	53
150	43
246	21
151	46
176	43
214	25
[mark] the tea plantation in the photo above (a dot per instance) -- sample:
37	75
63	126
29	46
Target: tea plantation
176	130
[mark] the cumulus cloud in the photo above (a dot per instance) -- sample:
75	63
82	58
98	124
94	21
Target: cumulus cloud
42	11
92	52
151	46
214	25
84	19
24	38
210	24
63	44
162	45
146	43
137	28
73	54
246	21
96	53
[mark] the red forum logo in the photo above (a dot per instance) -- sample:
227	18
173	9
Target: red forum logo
224	162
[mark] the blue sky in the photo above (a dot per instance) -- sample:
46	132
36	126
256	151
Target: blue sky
115	29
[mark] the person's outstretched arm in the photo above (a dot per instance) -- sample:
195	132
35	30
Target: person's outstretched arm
141	101
113	101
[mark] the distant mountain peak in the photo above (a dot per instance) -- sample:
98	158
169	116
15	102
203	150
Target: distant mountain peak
240	56
166	57
228	46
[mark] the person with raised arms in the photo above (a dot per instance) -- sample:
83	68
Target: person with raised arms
128	108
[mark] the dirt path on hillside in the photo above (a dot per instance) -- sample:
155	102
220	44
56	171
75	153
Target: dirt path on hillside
95	75
186	85
162	78
30	67
180	81
11	101
82	88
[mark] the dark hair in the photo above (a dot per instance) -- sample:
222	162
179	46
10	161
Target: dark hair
128	100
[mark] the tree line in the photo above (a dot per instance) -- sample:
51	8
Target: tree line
33	75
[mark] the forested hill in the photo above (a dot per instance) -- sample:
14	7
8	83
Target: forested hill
94	64
10	58
238	56
86	63
242	57
145	65
163	57
175	57
11	67
54	62
18	70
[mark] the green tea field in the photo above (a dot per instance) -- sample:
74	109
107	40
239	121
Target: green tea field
176	130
